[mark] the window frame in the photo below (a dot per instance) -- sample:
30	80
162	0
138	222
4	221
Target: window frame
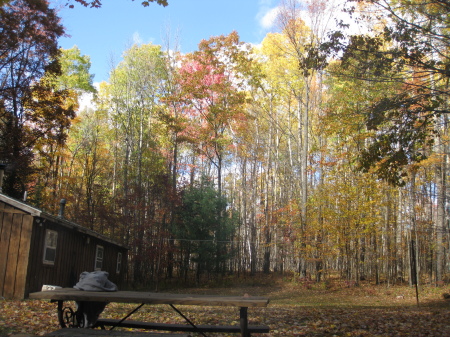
119	263
50	244
99	259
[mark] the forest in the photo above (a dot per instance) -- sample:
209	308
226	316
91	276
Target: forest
322	152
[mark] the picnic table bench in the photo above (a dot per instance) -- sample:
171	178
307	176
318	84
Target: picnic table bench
66	315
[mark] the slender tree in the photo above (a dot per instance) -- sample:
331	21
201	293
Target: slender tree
133	100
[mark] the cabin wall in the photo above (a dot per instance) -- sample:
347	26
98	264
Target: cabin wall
15	238
22	243
75	253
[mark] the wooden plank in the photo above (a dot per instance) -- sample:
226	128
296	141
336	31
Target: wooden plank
181	327
23	258
13	255
5	236
116	333
35	259
66	294
14	211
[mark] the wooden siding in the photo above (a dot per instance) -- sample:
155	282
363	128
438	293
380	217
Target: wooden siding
15	237
75	253
22	241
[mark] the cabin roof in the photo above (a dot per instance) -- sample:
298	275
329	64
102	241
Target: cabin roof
36	212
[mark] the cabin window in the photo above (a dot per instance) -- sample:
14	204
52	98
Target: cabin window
119	263
51	239
99	258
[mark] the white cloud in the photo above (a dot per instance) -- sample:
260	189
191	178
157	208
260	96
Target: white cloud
267	19
267	13
139	40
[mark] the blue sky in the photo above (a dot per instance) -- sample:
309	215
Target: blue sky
106	32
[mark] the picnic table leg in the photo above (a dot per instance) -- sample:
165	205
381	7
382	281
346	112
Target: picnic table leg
61	314
67	318
244	322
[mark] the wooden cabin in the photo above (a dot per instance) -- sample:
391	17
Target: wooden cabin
37	248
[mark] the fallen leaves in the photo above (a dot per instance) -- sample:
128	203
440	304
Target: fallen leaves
361	322
291	312
27	317
39	317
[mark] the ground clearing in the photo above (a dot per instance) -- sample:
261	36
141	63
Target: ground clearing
295	310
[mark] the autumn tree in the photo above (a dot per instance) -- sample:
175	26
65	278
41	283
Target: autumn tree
274	141
28	46
172	116
302	30
211	100
409	48
132	100
73	81
75	71
212	89
50	112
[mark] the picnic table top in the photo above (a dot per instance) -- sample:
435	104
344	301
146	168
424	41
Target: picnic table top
72	294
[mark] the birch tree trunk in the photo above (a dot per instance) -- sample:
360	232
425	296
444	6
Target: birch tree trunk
441	174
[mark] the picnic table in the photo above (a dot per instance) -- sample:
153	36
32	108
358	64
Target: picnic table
66	314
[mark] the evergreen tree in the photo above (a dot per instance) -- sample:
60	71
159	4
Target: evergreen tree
205	228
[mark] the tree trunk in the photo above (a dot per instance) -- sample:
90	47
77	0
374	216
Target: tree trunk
441	173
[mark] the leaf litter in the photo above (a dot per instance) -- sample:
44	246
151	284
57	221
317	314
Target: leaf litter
292	311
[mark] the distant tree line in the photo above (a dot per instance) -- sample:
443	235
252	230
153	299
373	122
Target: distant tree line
317	154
